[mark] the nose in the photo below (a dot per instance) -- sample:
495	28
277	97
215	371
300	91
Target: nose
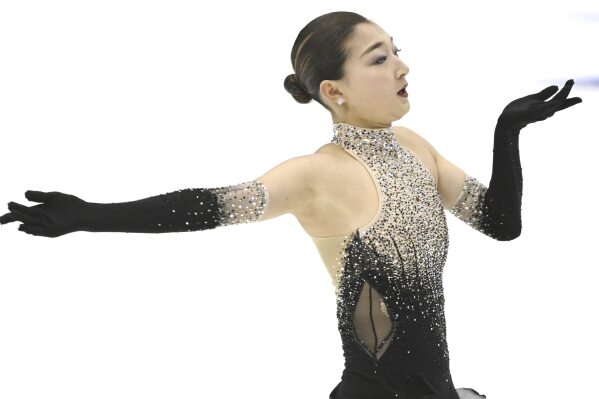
403	72
403	69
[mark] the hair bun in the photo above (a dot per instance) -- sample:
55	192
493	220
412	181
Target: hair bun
296	89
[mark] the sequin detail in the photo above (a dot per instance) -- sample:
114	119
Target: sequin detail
241	203
208	208
468	207
398	260
189	209
493	212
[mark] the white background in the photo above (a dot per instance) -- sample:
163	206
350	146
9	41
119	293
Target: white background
120	100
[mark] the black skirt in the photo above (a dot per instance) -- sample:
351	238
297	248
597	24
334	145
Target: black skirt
461	393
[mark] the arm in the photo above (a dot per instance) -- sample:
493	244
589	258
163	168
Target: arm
285	188
495	211
190	209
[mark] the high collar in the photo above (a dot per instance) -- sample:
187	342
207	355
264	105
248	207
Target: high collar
350	135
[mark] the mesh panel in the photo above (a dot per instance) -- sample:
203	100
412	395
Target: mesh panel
372	324
242	203
468	207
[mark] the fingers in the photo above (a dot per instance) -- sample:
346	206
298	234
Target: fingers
551	90
22	217
563	93
13	206
36	196
569	102
561	100
7	218
35	230
30	216
21	213
545	93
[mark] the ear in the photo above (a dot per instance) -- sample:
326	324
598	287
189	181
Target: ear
329	90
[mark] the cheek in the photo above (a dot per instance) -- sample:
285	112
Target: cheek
380	87
378	93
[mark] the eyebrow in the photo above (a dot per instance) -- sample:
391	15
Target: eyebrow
374	46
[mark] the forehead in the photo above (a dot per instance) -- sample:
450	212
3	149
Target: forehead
364	35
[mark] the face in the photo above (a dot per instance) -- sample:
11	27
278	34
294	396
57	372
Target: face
371	81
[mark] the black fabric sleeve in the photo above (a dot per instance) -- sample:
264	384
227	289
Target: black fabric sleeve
495	211
189	209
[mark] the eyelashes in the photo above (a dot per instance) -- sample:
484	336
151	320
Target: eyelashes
385	57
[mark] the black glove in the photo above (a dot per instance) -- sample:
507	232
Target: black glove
177	211
496	210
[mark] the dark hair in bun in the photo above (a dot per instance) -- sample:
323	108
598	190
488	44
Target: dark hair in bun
319	53
296	89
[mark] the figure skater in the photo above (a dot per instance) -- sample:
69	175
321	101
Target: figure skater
372	200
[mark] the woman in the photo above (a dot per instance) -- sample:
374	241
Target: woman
372	199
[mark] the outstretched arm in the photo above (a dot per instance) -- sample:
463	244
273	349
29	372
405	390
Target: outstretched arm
285	188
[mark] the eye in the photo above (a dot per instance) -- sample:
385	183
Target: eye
384	57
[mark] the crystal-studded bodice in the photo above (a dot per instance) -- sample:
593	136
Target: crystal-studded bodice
388	277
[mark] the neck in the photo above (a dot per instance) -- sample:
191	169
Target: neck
347	125
347	133
362	125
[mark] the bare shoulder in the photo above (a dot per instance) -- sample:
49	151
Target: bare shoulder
407	134
291	184
450	178
328	148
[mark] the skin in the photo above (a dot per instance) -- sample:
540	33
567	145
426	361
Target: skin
330	192
371	82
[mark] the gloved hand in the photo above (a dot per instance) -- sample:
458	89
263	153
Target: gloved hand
533	108
58	214
496	210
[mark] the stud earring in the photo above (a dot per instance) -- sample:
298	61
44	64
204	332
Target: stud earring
340	100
